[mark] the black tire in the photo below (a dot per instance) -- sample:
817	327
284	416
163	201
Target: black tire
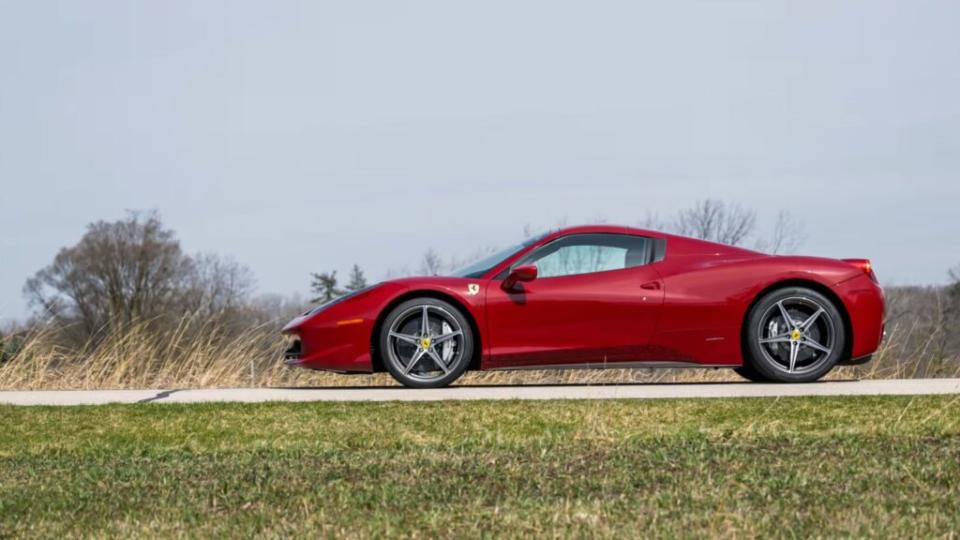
771	336
401	324
747	372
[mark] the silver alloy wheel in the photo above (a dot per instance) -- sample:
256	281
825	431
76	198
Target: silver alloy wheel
797	335
425	342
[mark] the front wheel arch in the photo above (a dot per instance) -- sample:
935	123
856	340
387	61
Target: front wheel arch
376	359
816	286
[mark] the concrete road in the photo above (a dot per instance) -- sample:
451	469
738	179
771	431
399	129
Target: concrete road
620	391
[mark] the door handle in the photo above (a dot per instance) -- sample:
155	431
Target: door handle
651	286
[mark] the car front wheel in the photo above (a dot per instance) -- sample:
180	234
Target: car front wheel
426	343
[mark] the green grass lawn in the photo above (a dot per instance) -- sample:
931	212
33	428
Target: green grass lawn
777	467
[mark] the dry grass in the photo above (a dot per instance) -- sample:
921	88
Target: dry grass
195	355
186	357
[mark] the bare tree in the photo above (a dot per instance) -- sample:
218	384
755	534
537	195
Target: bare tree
652	221
530	230
458	262
431	264
275	308
716	221
119	272
787	236
216	285
953	302
132	270
396	273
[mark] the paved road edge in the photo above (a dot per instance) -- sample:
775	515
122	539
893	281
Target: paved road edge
632	391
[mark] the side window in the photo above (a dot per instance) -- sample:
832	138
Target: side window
589	253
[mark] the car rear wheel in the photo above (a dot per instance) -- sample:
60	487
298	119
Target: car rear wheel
794	334
426	343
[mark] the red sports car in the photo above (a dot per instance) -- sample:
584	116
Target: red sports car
604	296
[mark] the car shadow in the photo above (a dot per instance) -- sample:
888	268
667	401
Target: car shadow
546	385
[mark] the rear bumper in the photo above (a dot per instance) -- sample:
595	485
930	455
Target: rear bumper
864	302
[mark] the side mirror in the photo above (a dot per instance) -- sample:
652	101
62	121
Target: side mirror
527	272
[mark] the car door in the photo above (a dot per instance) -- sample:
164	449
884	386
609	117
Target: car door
597	299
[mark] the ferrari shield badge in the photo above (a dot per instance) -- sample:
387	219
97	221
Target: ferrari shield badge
473	289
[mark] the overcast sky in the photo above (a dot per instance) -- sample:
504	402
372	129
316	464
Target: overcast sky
304	136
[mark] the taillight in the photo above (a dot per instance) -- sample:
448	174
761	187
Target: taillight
865	265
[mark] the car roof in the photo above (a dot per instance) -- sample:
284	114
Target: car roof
603	229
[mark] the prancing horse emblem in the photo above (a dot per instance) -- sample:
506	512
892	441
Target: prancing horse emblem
473	289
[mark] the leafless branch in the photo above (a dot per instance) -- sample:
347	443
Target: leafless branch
431	264
787	236
716	221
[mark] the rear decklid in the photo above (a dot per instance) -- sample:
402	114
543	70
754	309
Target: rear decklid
864	265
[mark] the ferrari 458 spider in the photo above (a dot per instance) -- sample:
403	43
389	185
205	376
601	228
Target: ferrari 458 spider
604	296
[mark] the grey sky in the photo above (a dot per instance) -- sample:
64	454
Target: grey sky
300	136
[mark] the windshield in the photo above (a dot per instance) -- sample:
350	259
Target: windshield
481	267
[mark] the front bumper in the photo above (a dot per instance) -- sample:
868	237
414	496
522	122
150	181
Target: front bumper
331	346
292	355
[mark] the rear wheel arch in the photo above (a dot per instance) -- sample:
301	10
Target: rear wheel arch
376	360
808	284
